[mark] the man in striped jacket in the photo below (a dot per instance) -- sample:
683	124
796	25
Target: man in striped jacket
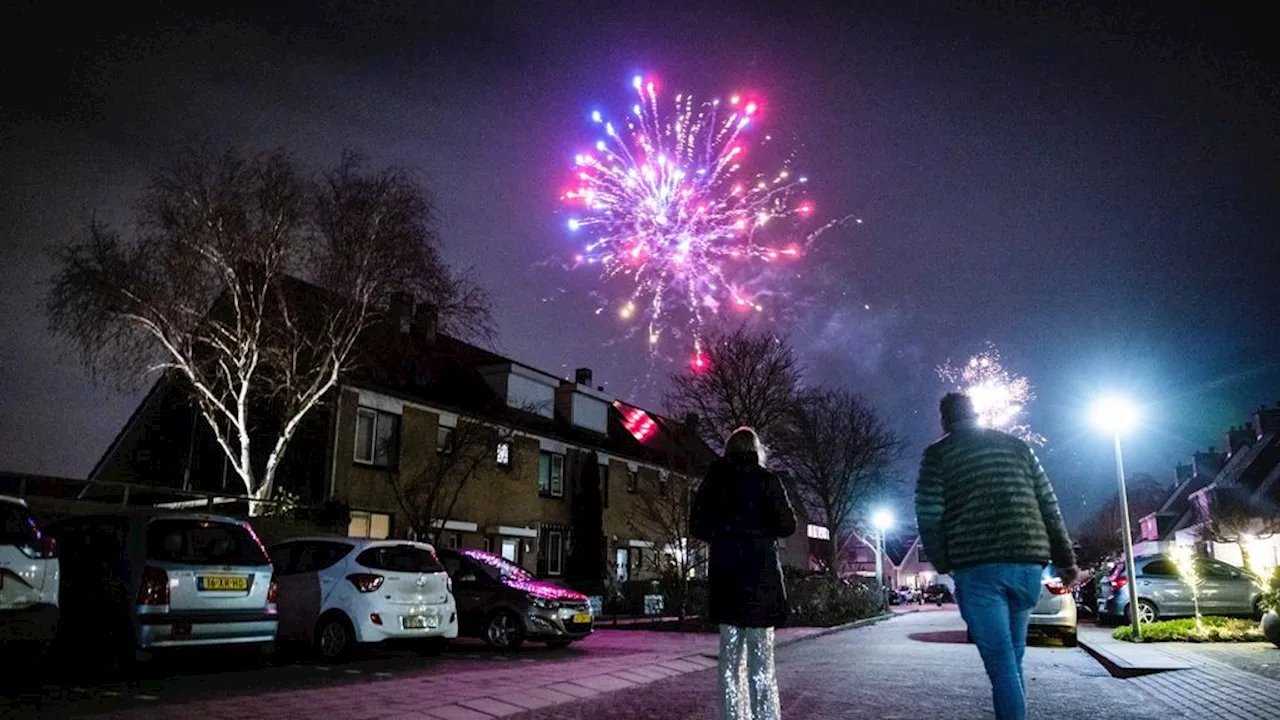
988	516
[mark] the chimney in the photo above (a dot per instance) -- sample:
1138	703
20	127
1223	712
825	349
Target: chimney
1265	421
1207	464
426	321
400	311
582	376
1239	437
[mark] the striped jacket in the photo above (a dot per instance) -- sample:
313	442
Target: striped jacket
983	498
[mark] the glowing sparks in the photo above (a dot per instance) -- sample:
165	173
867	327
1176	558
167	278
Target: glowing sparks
999	397
667	206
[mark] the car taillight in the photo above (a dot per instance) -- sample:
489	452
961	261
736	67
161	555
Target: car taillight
365	582
154	589
1055	586
1118	583
272	590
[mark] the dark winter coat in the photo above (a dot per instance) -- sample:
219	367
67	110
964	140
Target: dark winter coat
741	510
984	498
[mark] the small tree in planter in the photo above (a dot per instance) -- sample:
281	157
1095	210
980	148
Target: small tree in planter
1184	558
1270	606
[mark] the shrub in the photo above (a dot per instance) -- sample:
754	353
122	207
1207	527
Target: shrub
1270	601
1211	629
819	601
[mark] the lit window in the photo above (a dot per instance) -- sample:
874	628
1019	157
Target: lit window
551	474
503	456
369	525
444	440
818	532
377	437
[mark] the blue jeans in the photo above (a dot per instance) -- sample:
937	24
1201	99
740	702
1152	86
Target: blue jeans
996	602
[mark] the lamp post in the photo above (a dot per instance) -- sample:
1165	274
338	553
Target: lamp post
882	520
1117	415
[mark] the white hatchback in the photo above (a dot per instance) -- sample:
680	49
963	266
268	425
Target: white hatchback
28	579
337	593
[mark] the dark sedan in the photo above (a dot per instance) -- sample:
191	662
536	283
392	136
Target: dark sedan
504	604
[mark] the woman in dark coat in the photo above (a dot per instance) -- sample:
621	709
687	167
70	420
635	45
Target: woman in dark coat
741	510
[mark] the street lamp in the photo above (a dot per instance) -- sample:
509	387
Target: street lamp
1116	415
882	520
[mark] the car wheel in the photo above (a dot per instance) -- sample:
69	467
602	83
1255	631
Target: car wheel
503	631
335	638
1147	611
431	647
1070	639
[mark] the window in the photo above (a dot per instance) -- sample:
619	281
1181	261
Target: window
633	481
200	542
444	440
16	526
292	558
555	552
1218	571
453	541
604	486
400	558
1160	568
511	550
369	525
818	532
377	437
503	456
551	475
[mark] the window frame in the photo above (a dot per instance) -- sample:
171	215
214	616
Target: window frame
549	488
368	516
448	434
558	556
391	458
633	481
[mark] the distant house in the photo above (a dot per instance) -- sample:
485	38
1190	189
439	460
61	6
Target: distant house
1249	471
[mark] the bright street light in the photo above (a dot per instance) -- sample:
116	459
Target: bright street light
1115	415
883	520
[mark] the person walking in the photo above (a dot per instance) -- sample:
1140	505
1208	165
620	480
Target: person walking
741	510
988	516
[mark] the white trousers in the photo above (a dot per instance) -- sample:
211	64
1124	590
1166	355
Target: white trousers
748	683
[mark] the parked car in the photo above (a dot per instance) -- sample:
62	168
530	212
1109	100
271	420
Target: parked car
1055	612
503	604
938	593
29	576
1225	590
150	579
337	593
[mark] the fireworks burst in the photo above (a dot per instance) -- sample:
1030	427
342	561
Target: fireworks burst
666	205
999	397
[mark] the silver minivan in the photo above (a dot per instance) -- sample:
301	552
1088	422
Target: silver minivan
151	579
1225	590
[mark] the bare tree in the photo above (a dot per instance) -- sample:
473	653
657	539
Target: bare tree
660	512
1101	536
748	379
206	288
837	454
433	479
1233	519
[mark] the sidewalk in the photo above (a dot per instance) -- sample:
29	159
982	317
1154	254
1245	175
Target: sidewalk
1185	680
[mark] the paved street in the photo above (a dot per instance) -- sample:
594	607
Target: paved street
915	666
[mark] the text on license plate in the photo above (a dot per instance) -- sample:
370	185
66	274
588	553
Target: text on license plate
419	622
223	583
582	618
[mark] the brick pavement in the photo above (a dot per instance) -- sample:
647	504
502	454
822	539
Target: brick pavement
1214	689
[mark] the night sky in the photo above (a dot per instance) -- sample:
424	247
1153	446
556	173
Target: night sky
1091	190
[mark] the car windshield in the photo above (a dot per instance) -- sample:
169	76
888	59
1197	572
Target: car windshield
500	569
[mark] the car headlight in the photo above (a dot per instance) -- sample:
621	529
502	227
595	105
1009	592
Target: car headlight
545	604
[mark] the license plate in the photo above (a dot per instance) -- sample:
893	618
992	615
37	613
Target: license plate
223	583
582	618
419	622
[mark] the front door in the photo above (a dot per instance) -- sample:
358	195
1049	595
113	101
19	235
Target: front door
473	591
511	550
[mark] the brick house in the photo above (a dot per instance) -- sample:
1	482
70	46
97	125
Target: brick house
414	388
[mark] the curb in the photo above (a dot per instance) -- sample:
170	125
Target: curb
836	629
1118	668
